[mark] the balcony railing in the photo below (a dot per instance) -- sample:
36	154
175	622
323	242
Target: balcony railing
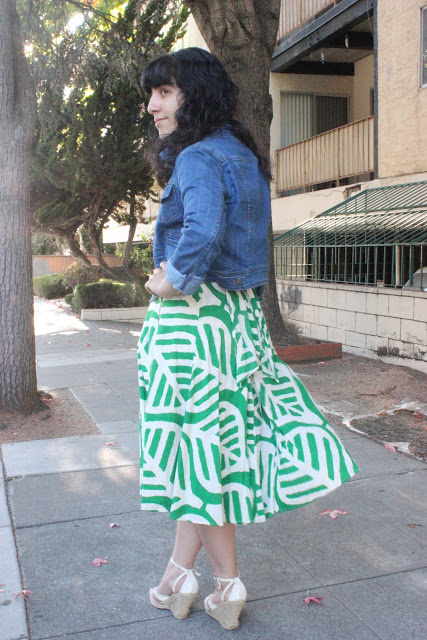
295	12
339	153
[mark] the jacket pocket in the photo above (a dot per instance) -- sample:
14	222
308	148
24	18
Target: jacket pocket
169	208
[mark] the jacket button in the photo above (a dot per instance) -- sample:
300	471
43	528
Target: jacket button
238	281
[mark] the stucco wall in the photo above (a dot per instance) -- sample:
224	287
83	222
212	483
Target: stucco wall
362	85
402	104
388	324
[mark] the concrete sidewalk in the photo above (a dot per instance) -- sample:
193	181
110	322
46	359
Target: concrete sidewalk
61	495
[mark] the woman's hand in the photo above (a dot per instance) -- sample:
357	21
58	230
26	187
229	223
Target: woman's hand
158	285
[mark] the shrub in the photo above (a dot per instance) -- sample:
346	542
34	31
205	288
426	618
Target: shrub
69	299
51	286
77	273
106	294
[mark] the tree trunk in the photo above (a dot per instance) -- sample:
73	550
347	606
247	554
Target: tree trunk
18	383
75	249
95	234
242	34
132	229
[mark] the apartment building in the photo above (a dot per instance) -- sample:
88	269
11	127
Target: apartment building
349	136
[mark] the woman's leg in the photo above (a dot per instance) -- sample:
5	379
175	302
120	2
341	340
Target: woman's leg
220	547
187	545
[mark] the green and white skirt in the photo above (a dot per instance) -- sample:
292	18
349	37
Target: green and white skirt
228	433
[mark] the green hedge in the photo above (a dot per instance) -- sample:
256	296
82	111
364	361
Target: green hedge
51	286
106	294
77	273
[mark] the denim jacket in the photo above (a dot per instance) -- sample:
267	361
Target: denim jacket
214	217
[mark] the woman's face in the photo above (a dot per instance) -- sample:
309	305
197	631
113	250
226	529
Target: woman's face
164	103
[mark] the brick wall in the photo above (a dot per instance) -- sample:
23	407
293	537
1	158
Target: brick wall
390	324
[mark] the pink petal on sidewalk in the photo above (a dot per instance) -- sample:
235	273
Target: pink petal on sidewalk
334	513
24	592
390	447
316	599
98	561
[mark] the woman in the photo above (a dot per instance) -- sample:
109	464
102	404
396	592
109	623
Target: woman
228	434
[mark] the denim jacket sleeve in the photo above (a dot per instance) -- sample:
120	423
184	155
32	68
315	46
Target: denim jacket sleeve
200	180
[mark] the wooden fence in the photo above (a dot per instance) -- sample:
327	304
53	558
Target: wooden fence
43	265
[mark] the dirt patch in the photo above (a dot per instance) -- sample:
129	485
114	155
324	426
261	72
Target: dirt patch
62	416
385	402
405	430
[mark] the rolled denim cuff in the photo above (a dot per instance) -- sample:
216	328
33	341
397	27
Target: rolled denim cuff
186	284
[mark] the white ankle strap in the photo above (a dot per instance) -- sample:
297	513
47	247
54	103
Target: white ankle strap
179	566
185	572
231	582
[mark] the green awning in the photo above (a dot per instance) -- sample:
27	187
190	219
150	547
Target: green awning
383	216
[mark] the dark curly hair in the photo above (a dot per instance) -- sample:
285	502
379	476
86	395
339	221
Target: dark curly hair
210	101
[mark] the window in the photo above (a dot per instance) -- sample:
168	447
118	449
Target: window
423	61
304	115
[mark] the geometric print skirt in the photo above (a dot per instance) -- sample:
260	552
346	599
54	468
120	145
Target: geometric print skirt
228	433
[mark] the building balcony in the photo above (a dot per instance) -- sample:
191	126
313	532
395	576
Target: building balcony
294	13
323	36
340	153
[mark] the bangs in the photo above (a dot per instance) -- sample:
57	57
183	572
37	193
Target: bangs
158	73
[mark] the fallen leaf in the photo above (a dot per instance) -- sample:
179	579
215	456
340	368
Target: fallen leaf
112	444
98	561
418	415
334	513
390	447
114	524
316	599
405	447
24	592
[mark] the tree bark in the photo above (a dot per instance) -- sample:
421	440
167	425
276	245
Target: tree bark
69	236
95	233
132	229
18	383
242	34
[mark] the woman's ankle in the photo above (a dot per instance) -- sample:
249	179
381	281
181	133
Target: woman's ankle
168	579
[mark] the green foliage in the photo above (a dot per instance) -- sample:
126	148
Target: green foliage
77	273
88	164
45	245
51	286
69	299
106	294
141	260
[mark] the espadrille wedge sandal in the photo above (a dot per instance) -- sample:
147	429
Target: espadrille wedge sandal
227	612
179	602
